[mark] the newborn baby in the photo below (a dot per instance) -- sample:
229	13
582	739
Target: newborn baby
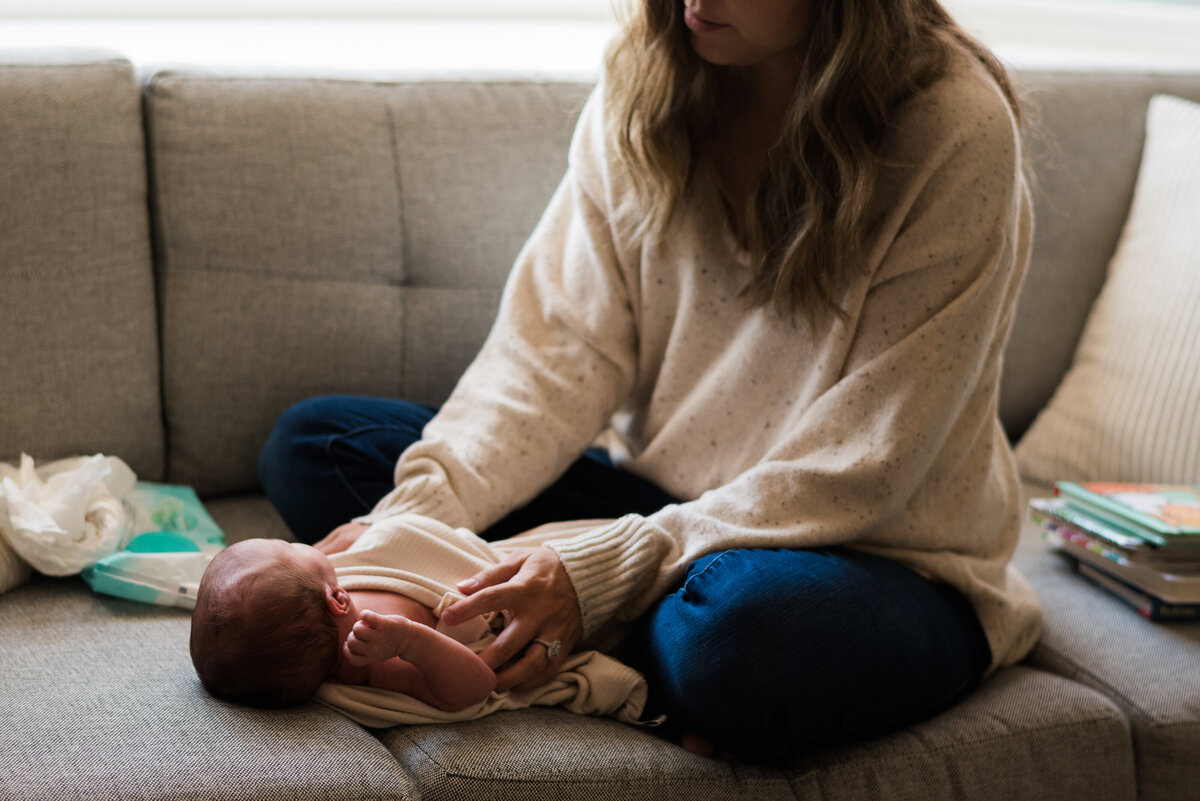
272	622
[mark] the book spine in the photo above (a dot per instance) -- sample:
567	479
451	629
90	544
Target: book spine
1058	509
1056	534
1147	605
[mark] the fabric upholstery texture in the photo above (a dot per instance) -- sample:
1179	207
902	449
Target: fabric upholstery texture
78	328
1148	669
1084	141
478	163
246	516
293	215
1129	407
1023	714
279	229
375	256
110	707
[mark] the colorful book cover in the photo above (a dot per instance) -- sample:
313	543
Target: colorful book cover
1165	509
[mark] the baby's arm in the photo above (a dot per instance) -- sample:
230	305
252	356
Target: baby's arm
454	676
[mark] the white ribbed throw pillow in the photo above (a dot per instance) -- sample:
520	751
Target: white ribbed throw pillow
1129	407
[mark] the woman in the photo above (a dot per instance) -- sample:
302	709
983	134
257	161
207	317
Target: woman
782	268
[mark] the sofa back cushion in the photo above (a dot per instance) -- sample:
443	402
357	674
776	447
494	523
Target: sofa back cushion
332	236
78	329
350	236
1085	143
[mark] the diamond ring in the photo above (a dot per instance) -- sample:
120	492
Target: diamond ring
552	648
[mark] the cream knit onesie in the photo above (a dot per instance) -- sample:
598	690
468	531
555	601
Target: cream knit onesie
423	559
878	432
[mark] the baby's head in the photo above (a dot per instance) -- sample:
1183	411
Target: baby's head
263	630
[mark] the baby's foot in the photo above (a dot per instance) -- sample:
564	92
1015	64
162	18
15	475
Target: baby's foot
376	638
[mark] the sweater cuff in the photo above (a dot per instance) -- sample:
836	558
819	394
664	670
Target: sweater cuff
612	568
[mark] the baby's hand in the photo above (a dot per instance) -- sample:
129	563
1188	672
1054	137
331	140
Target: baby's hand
376	638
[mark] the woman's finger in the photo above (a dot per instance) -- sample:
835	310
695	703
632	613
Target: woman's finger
491	576
508	643
532	670
489	599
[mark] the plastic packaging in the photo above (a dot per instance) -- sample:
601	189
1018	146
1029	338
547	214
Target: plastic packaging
89	515
140	573
174	541
63	516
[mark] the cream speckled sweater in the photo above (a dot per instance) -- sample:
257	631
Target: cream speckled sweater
879	432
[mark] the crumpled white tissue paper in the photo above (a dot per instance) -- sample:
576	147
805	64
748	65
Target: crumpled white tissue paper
62	517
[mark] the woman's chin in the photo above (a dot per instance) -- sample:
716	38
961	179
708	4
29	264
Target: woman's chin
720	56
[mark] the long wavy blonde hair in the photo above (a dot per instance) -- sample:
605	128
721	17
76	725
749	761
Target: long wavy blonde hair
806	221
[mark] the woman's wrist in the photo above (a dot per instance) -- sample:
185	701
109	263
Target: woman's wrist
610	567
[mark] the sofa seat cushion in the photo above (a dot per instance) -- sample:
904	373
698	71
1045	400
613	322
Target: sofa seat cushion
243	517
99	700
1148	669
1024	734
100	690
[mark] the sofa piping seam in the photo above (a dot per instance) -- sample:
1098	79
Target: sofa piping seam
1094	682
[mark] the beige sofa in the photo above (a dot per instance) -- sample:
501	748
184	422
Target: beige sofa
184	253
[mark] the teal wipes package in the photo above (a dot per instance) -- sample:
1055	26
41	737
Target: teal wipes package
172	540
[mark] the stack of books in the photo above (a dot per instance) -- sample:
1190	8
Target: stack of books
1141	542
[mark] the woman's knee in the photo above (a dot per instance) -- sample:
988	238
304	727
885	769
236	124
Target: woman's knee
292	432
304	431
331	457
704	647
313	416
767	650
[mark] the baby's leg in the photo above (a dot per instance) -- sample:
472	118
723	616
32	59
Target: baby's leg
454	674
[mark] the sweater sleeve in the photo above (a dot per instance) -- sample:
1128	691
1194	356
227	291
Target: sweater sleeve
915	401
558	362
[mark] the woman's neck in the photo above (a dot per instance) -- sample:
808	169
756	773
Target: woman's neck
757	100
770	87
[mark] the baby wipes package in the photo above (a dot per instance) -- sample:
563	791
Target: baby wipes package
89	515
172	541
173	509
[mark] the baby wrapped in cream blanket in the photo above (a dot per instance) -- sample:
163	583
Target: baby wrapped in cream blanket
423	559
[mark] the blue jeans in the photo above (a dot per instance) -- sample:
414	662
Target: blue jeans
761	651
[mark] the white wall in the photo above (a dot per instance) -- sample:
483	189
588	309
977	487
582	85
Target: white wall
534	36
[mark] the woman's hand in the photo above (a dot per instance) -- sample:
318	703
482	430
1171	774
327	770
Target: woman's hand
340	538
532	586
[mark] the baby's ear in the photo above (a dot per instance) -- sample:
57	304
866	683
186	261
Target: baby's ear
337	600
